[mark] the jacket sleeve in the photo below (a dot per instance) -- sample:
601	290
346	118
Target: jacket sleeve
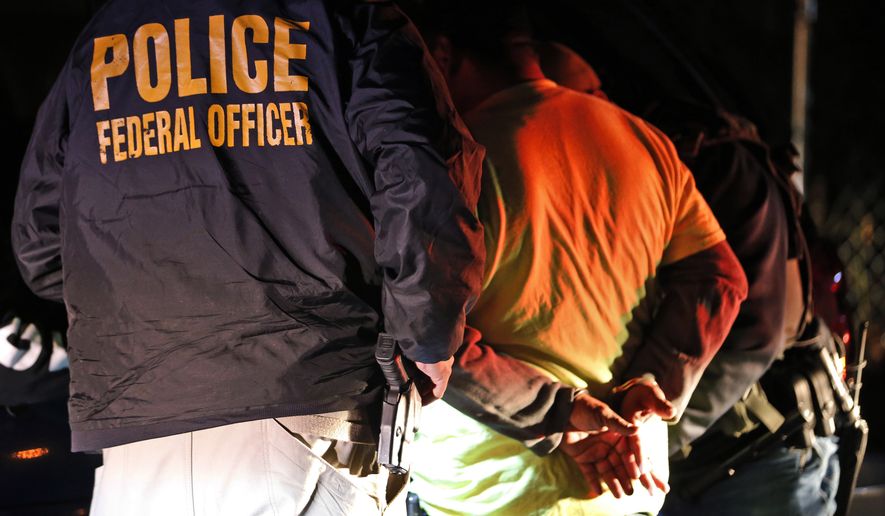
509	395
701	294
426	176
35	232
747	203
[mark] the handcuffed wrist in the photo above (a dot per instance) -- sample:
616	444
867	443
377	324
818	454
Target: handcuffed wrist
646	379
616	395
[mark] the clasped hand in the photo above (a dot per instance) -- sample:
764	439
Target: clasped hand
606	446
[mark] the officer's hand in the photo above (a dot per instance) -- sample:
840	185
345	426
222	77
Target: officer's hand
432	384
641	402
644	400
591	415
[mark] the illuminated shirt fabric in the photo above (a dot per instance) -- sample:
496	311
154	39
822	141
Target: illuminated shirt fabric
581	204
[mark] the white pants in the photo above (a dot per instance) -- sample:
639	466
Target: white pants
252	468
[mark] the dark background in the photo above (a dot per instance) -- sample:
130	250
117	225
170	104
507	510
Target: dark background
743	48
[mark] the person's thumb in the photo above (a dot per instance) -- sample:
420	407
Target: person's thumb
662	407
436	379
617	424
574	436
592	415
656	403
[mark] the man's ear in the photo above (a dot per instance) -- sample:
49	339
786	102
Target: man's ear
443	53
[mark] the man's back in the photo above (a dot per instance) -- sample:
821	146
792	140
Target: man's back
582	205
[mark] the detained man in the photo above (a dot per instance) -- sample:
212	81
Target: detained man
607	278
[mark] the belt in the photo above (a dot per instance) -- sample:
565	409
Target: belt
349	426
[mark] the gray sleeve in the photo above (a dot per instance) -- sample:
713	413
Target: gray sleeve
508	395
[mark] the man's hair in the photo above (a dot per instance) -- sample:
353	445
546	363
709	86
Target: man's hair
484	28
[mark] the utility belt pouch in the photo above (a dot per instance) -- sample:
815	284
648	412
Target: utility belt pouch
788	390
400	409
825	406
816	363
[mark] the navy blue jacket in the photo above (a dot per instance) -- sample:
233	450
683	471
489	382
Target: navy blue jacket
233	198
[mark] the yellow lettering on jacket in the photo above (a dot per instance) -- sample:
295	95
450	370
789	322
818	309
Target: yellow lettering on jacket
284	51
232	122
286	123
217	60
196	143
102	69
118	138
240	48
164	135
187	85
259	110
273	135
301	123
148	135
156	33
239	55
179	132
248	122
103	141
133	135
215	125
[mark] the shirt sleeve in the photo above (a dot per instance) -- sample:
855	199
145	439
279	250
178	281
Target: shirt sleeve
695	227
35	232
692	225
509	395
427	169
701	295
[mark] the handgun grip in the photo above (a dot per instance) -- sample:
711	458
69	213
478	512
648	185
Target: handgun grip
390	361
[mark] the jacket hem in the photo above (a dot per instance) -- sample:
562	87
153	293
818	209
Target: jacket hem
95	439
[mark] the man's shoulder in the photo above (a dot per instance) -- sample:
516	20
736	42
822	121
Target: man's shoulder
605	110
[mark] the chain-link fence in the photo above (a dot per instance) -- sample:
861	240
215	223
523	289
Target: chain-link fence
854	220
